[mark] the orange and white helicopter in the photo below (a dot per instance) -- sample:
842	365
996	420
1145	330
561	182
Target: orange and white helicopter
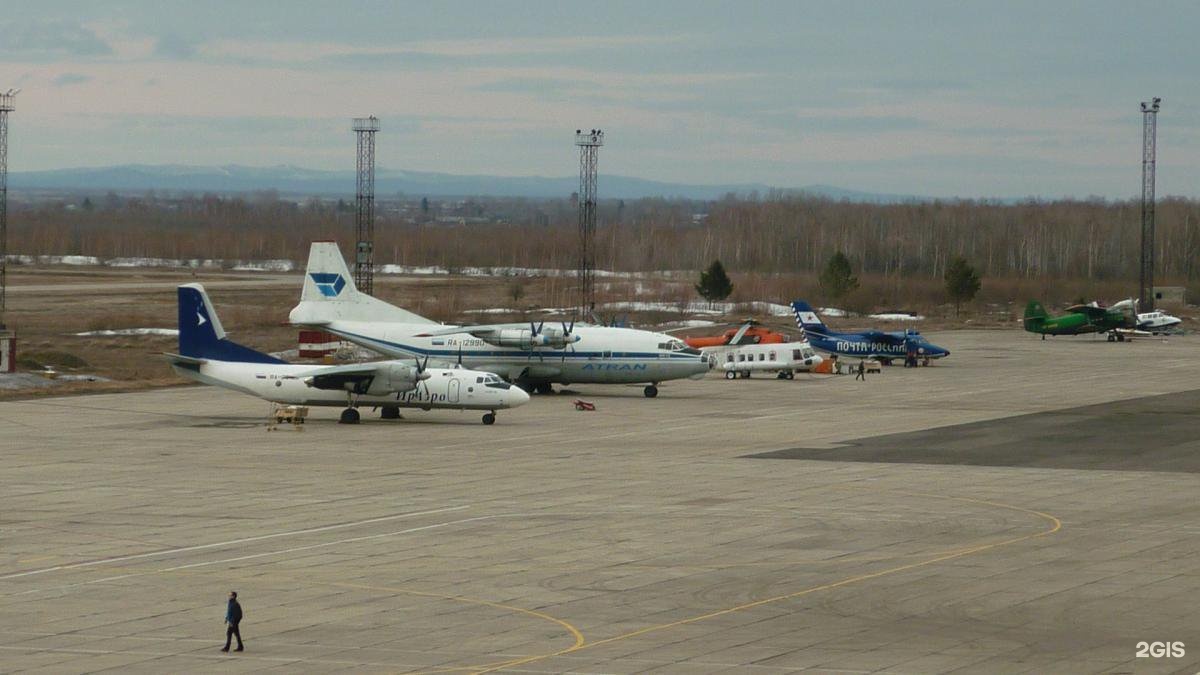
753	347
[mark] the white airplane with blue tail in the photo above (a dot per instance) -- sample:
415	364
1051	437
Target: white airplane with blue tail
535	356
206	355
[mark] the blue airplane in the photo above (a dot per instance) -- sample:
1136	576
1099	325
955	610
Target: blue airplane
882	345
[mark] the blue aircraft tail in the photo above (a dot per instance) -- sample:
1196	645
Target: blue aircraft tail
201	335
807	319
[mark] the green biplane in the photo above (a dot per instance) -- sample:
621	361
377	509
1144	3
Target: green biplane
1080	319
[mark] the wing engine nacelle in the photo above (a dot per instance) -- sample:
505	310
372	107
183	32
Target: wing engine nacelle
393	378
379	379
521	338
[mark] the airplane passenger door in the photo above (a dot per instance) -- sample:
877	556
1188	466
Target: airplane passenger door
452	390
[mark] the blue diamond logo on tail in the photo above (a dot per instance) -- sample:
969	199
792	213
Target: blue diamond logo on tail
330	284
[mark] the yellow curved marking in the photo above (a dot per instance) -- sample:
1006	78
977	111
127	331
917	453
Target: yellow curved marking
1055	526
580	641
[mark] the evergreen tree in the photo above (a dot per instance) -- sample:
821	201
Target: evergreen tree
714	283
838	278
962	282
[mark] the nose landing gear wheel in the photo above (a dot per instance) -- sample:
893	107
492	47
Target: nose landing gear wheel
349	416
489	418
650	391
730	375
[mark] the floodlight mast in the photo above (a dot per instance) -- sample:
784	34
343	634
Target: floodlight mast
6	106
1149	152
364	221
589	142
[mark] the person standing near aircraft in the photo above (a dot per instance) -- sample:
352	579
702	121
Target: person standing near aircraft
233	617
861	373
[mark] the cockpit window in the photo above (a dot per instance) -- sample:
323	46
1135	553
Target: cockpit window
677	346
497	384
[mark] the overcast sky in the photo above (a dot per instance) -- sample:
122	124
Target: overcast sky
943	99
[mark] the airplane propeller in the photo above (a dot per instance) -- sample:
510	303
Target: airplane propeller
422	372
567	341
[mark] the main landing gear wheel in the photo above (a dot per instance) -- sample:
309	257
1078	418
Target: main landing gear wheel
349	416
730	375
781	375
489	418
389	412
791	375
650	391
544	388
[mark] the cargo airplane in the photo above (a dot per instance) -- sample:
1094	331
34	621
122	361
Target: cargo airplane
534	356
206	355
882	345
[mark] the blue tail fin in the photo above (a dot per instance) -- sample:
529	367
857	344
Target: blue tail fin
807	319
201	335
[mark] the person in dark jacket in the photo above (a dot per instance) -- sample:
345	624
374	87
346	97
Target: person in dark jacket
233	617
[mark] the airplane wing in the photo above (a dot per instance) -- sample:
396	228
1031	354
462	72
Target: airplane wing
1091	311
883	336
359	377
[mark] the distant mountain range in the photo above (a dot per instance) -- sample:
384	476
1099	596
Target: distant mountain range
388	182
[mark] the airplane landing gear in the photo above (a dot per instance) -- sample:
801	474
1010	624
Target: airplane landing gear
731	375
349	416
650	391
389	412
544	388
489	418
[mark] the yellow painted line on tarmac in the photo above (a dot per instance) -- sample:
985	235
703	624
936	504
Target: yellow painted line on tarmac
575	633
1054	526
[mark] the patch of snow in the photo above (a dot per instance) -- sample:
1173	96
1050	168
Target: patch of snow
493	310
82	378
834	312
12	381
265	266
690	323
172	332
434	270
897	316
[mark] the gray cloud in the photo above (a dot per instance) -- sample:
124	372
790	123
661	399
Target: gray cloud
52	39
175	46
67	79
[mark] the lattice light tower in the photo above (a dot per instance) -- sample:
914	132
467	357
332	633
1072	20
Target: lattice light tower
589	143
1149	150
6	106
364	221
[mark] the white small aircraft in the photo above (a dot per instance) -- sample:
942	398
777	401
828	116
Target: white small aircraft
205	355
532	355
784	359
1154	322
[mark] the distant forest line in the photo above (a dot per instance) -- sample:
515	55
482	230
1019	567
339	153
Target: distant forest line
1079	240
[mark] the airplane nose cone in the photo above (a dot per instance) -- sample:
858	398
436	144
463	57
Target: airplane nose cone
515	396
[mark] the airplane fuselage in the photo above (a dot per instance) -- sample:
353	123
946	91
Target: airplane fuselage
602	355
861	346
283	383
